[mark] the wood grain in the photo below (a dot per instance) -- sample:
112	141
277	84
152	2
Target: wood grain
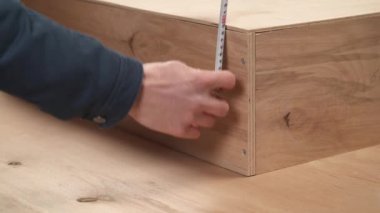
150	37
62	162
255	15
318	91
306	89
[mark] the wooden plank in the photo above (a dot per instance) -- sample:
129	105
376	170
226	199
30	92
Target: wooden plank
318	91
252	98
256	15
151	37
61	162
303	92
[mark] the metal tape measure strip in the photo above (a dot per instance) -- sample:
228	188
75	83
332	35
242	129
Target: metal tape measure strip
221	36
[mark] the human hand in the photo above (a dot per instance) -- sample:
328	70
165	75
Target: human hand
178	100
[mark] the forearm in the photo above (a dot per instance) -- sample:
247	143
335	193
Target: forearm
65	73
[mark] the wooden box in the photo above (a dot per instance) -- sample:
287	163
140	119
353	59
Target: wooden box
308	71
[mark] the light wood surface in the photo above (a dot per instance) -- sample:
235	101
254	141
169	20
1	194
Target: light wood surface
317	91
303	92
155	38
48	165
256	14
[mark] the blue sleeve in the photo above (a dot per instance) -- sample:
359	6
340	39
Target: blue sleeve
65	73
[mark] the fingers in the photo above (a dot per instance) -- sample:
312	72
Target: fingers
216	107
213	105
191	132
219	80
204	120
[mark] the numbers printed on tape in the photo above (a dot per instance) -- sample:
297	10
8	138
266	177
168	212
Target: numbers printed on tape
221	36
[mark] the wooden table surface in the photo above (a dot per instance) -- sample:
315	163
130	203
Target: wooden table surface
256	14
48	165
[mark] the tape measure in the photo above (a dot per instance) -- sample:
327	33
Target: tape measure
221	36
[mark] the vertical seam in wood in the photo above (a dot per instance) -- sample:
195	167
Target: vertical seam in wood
250	135
253	71
252	111
253	101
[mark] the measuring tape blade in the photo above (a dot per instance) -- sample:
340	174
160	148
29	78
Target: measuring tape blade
221	36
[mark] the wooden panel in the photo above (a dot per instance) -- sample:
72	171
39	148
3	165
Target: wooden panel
256	14
252	95
61	162
317	91
151	37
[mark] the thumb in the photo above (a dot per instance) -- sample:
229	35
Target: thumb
220	80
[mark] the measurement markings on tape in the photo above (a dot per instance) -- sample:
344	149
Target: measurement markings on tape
221	35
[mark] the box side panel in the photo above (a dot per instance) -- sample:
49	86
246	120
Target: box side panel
150	37
318	91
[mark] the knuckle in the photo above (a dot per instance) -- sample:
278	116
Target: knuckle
201	80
